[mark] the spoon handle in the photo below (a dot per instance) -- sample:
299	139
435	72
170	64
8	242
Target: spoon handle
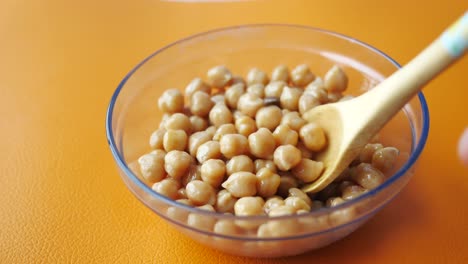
385	100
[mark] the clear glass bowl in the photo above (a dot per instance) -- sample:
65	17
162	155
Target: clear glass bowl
133	115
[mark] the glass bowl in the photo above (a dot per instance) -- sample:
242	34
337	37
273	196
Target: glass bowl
133	115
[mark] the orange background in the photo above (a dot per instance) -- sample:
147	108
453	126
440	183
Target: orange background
61	199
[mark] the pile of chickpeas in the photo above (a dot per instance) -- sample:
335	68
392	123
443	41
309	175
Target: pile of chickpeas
240	146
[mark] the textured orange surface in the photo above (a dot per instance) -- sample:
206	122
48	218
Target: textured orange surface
61	199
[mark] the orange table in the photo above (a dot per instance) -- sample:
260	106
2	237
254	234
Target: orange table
61	197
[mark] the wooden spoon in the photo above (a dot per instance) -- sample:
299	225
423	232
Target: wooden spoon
350	125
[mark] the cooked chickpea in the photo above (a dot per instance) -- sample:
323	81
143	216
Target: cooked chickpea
225	202
301	75
171	101
165	116
334	201
167	187
177	163
286	157
193	173
384	159
307	101
267	182
211	130
272	202
247	206
262	143
241	184
213	172
178	214
274	89
268	117
284	135
293	120
181	193
352	191
245	125
255	76
334	97
237	79
218	99
196	140
295	192
196	85
317	89
178	121
306	153
308	170
249	103
233	145
156	138
175	140
278	228
368	151
367	176
200	193
297	203
208	150
198	124
335	80
342	216
258	89
313	137
220	115
226	227
219	76
236	114
261	163
233	94
224	130
286	182
346	98
282	210
239	163
200	221
152	165
290	98
201	104
280	73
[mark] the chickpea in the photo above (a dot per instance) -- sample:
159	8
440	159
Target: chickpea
196	140
211	130
290	98
201	104
213	172
164	118
226	227
175	140
193	173
225	202
196	85
272	203
308	170
346	98
316	204
241	184
236	114
233	94
274	89
367	176
268	117
249	103
200	193
352	191
178	121
200	221
342	185
293	120
286	182
286	157
198	124
335	80
267	182
305	152
295	192
245	125
208	150
220	115
334	201
368	151
224	130
177	163
181	193
313	137
280	73
218	99
152	166
167	187
334	97
262	143
171	101
156	139
278	228
317	89
282	210
384	159
297	203
301	75
233	145
239	163
255	76
261	163
285	136
258	89
219	76
237	79
307	101
342	216
247	206
178	214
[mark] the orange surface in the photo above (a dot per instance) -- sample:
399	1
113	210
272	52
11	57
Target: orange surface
61	197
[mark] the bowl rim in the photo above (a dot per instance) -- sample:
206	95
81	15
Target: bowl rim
416	149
